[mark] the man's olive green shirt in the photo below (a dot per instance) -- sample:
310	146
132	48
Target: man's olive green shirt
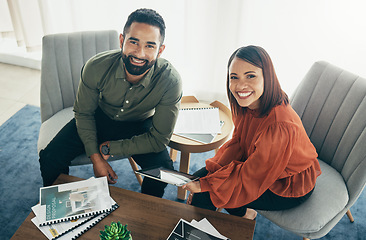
103	83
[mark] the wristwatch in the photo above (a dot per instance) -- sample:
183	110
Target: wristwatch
105	149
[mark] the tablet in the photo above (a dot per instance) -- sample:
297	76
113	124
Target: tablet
167	175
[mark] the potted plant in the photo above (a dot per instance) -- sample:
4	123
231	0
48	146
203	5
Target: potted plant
116	231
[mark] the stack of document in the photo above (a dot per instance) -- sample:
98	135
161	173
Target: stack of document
68	210
202	229
198	124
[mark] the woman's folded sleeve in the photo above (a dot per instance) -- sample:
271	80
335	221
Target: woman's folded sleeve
240	182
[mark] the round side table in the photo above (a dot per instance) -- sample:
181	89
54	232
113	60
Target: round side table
187	146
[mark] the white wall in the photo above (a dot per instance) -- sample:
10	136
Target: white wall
202	34
298	33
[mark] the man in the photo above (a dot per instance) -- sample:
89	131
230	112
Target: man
127	104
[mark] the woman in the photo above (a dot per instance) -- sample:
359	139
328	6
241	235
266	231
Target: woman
270	163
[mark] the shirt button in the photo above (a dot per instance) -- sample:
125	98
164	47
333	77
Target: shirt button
130	88
122	110
117	116
127	101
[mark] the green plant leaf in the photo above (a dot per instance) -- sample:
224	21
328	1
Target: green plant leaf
116	231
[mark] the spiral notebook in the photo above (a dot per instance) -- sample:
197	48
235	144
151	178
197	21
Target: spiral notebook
70	229
70	201
198	121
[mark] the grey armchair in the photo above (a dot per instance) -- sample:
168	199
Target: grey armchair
332	105
63	56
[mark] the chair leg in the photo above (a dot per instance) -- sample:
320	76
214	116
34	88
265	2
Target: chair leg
349	215
135	168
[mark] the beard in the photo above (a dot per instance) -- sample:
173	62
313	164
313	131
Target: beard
136	70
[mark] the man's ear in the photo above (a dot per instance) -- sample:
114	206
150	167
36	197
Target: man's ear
161	50
121	38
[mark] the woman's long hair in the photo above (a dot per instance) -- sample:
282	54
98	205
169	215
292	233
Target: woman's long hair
272	95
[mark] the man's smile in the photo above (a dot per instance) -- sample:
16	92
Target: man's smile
137	61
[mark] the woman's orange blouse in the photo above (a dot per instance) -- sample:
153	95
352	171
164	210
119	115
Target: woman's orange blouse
271	152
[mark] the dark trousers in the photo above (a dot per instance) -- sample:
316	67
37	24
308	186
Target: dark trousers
267	201
57	156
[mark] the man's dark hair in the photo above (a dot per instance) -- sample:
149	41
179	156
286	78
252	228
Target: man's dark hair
147	16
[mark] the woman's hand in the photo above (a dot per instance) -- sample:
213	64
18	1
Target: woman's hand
193	187
189	199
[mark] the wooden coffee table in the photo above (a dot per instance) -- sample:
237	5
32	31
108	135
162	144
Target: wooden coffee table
149	217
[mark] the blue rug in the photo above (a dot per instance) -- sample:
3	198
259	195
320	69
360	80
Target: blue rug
20	180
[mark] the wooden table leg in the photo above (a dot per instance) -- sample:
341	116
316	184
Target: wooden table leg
183	167
173	154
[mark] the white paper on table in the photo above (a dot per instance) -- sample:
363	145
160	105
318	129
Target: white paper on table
205	225
198	120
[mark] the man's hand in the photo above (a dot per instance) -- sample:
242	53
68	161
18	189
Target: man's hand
104	156
102	168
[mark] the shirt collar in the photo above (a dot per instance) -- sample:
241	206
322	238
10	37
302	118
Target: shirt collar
145	81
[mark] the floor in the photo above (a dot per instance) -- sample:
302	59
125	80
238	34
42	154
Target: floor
19	86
